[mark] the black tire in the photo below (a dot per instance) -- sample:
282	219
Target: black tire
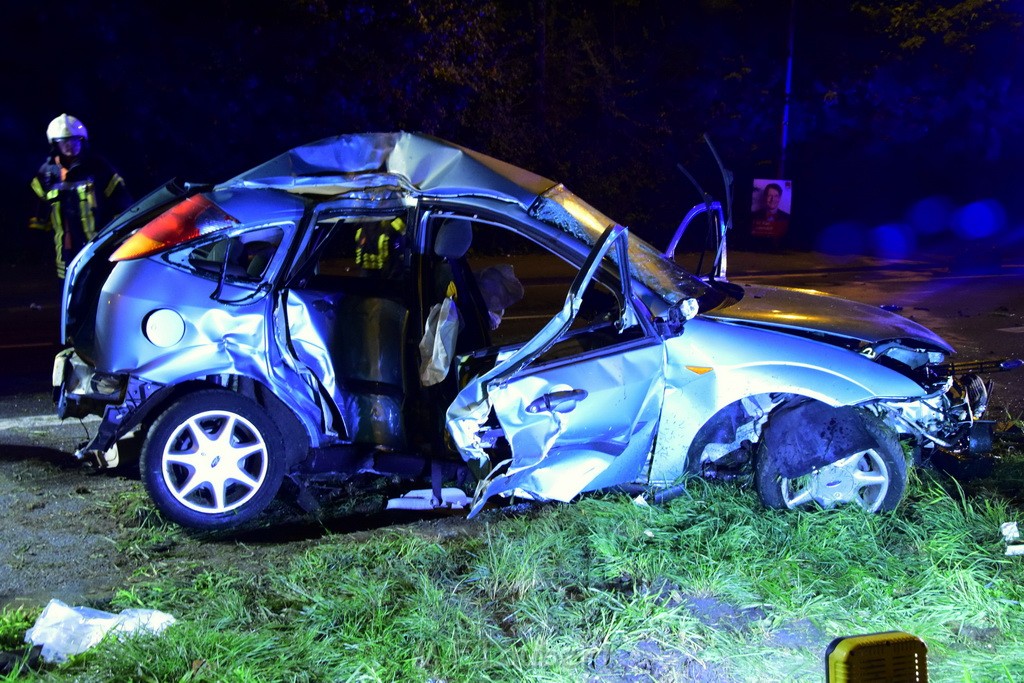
228	478
873	478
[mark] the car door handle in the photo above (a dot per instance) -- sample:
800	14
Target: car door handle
557	401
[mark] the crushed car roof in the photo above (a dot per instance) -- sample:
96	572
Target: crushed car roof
424	164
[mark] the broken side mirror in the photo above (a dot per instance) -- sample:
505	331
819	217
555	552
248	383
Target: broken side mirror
677	315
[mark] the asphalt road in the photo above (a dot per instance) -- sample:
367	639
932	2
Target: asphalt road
29	334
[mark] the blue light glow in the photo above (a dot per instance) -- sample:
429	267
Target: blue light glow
980	219
842	238
931	215
893	241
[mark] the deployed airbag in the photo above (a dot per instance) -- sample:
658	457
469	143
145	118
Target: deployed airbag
438	343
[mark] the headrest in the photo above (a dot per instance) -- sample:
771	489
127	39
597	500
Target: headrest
453	238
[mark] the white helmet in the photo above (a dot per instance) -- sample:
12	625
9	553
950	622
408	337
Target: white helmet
65	126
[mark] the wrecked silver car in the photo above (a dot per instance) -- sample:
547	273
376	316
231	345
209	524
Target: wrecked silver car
397	304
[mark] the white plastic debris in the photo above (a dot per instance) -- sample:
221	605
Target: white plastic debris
423	499
1015	550
63	631
1009	531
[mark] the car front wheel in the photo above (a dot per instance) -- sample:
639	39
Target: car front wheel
213	460
872	476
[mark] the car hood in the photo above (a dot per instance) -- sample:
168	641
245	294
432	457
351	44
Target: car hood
785	308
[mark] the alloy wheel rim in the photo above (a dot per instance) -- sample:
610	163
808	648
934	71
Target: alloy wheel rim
214	462
861	478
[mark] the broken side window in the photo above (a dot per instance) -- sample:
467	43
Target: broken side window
241	258
522	284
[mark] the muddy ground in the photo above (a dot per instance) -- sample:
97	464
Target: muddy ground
78	534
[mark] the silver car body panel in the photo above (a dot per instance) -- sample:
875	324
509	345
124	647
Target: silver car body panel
787	308
215	339
574	424
603	439
714	364
431	166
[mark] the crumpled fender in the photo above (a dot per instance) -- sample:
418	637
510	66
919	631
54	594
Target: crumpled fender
712	365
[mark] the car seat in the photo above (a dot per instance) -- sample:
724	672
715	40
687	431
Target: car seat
451	244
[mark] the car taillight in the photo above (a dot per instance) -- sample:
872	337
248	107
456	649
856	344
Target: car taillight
192	218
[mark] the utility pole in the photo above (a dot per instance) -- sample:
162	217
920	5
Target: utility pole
789	89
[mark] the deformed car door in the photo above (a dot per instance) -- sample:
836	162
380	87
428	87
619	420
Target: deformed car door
578	404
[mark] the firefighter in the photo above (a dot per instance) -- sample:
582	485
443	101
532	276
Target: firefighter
380	246
78	191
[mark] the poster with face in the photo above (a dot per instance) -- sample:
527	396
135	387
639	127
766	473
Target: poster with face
770	207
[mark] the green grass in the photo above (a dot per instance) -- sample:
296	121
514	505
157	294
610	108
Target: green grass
13	624
708	584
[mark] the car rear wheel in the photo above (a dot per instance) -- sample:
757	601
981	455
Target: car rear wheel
873	477
213	460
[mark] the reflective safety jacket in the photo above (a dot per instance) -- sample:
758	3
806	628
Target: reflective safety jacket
75	202
372	246
376	243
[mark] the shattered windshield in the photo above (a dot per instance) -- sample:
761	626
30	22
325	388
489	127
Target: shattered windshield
561	208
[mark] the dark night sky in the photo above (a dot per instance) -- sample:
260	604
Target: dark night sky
205	90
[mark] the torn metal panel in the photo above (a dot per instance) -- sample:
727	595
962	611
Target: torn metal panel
559	324
309	340
603	415
470	411
568	421
429	165
596	403
293	380
575	471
